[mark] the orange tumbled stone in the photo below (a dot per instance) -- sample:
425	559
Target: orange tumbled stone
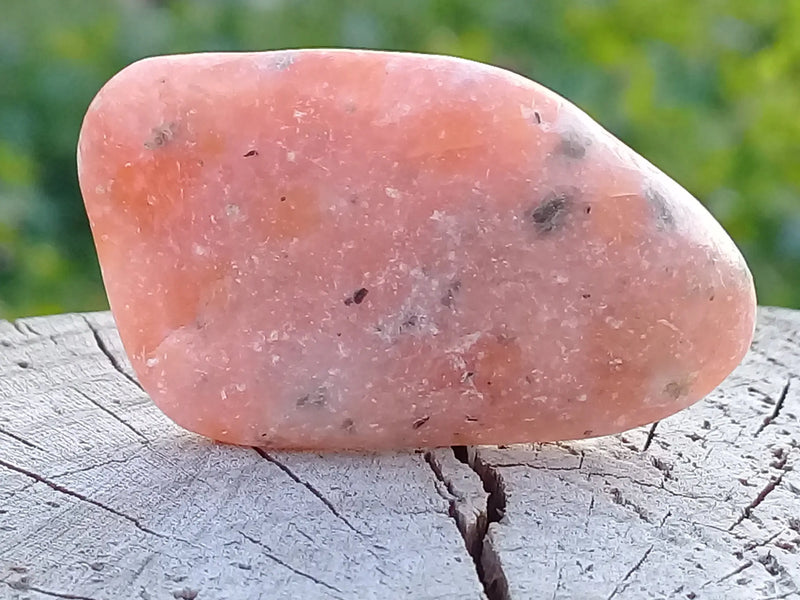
349	249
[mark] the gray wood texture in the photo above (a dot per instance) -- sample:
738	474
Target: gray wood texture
102	497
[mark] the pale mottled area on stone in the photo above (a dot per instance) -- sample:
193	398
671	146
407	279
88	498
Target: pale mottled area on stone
350	249
102	497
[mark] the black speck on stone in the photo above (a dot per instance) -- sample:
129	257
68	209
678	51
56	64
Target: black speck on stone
449	297
552	212
349	425
251	153
357	297
573	145
410	322
420	422
660	208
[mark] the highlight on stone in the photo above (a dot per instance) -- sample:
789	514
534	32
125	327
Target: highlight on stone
348	249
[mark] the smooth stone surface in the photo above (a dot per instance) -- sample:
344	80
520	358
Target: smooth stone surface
353	249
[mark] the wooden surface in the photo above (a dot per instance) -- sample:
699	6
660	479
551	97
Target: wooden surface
101	497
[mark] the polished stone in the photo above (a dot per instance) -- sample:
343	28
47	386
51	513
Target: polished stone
350	249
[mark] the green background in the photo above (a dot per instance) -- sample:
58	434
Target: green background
707	90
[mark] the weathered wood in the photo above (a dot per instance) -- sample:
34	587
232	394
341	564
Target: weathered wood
102	497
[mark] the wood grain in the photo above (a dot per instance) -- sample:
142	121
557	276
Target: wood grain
102	497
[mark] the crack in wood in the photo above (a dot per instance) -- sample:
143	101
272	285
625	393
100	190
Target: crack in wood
20	439
752	545
558	582
472	527
773	483
621	585
735	572
664	519
650	435
111	461
319	495
474	530
529	465
110	355
589	514
22	586
64	490
777	409
487	561
112	414
657	486
618	498
267	551
671	492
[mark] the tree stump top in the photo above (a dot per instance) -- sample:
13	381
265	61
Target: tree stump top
102	497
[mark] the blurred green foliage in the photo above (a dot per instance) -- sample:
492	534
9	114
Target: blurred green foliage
706	90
